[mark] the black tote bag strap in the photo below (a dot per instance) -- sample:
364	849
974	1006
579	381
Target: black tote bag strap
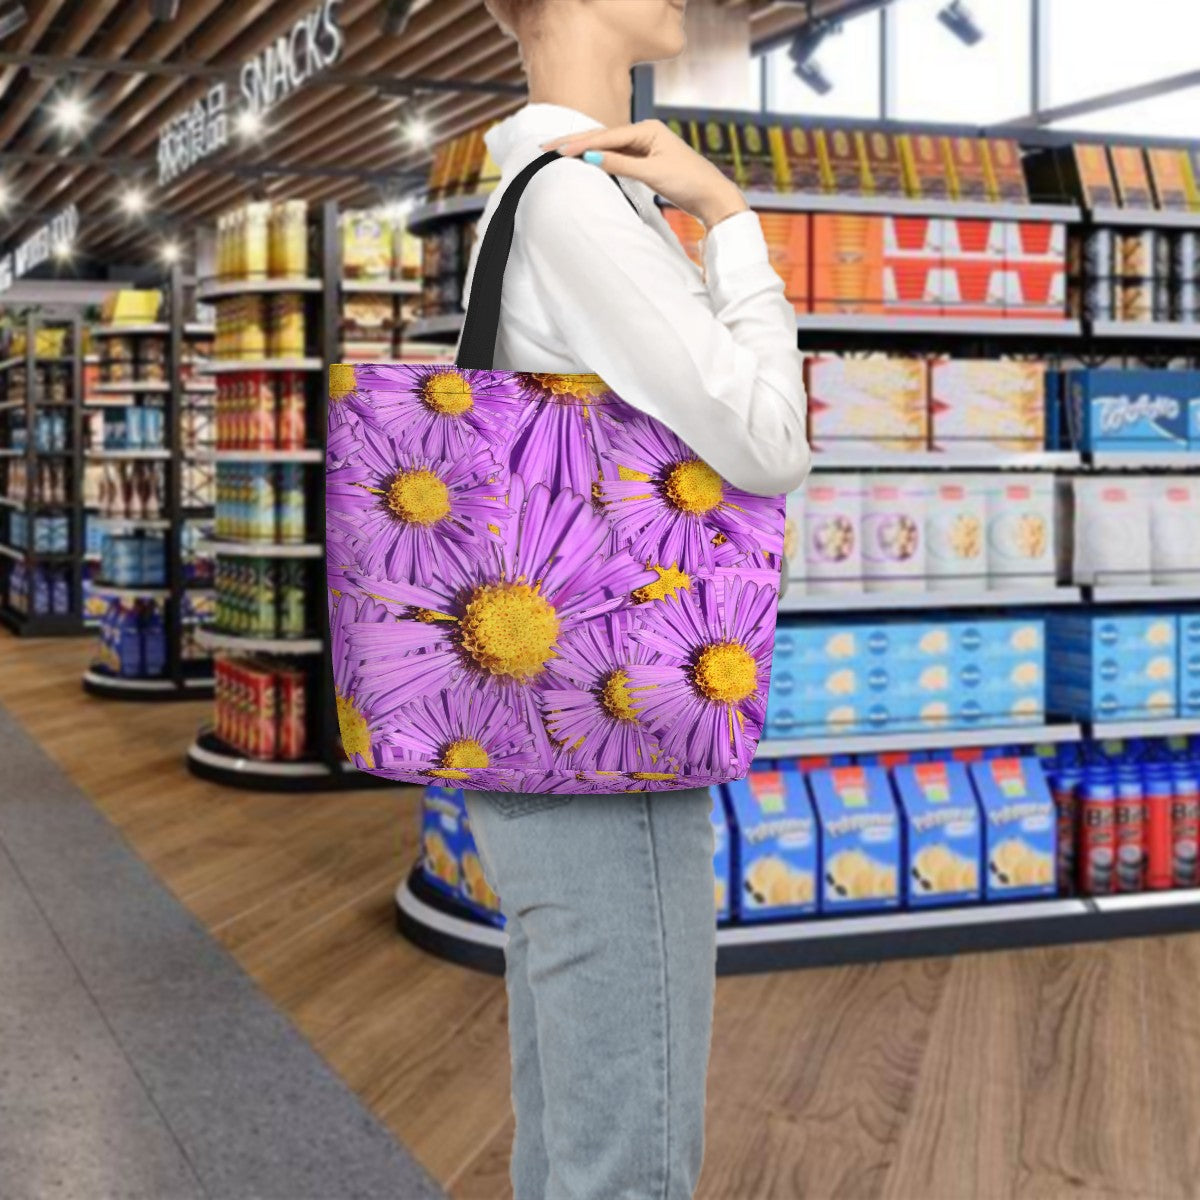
477	346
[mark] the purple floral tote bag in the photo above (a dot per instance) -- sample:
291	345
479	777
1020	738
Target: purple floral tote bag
533	586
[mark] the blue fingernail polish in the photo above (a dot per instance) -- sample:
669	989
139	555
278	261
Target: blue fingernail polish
593	156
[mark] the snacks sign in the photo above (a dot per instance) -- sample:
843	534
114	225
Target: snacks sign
312	45
39	247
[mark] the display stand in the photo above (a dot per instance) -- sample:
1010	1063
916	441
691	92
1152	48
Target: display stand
26	503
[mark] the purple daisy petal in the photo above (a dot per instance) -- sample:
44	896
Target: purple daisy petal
360	726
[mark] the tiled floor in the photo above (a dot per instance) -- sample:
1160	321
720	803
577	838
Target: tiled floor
137	1060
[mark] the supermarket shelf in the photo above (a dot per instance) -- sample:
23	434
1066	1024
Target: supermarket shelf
1143	728
443	927
41	624
116	592
129	522
131	388
911	206
1174	460
7	502
298	456
225	366
12	552
200	389
11	362
426	215
805	603
11	404
1154	594
210	758
149	329
1145	218
215	289
932	739
98	682
434	328
942	326
255	645
127	454
382	287
1188	331
9	452
922	460
262	549
195	329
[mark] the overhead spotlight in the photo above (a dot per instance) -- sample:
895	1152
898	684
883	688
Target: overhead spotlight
3	194
12	17
170	252
134	201
62	251
396	14
961	22
416	129
69	113
803	53
164	10
249	123
397	210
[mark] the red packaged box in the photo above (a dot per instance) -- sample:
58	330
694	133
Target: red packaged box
292	715
291	419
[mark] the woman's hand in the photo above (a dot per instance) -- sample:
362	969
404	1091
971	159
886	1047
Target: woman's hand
649	151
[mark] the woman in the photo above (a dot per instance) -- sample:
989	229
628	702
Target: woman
609	898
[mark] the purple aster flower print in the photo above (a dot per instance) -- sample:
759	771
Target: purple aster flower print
343	383
675	510
359	729
588	707
437	409
495	624
404	513
471	739
705	696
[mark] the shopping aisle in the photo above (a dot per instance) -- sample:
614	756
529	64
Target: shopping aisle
1046	1073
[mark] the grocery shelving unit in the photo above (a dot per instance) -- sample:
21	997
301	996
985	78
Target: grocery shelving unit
35	401
185	678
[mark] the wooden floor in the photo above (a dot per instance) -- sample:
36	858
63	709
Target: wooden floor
1037	1074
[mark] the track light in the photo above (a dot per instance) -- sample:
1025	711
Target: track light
396	14
416	129
164	10
69	113
62	251
134	201
249	124
959	19
170	252
803	53
12	17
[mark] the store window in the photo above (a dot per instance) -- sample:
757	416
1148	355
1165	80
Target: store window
1098	46
1176	114
849	64
939	77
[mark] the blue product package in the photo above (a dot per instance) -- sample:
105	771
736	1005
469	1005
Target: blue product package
1142	410
860	839
442	814
943	838
135	428
776	859
1020	828
154	643
1189	664
1194	424
722	858
129	641
474	890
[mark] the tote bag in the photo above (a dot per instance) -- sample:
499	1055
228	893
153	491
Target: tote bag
533	586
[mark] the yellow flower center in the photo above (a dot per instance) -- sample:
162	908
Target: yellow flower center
670	581
651	774
459	757
509	629
341	381
629	475
693	487
356	737
725	672
448	393
616	698
427	616
580	386
419	497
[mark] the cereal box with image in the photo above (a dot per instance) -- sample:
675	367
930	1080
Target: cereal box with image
1020	827
893	533
860	838
895	642
877	402
474	889
442	840
1189	664
956	557
995	406
793	542
942	833
833	513
776	859
1111	532
1021	532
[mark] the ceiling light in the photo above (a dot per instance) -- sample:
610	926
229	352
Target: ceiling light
170	252
397	210
62	251
249	124
416	129
395	17
3	194
12	17
959	19
164	10
134	201
69	113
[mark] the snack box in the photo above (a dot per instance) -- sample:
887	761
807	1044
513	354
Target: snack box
1005	174
987	405
925	165
1019	844
1189	664
1191	172
966	165
716	144
442	843
883	163
474	890
753	159
1143	410
776	853
1133	181
843	162
998	641
722	857
877	402
943	834
799	161
1169	174
860	839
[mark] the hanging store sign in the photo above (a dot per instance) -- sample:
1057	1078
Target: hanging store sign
313	44
39	247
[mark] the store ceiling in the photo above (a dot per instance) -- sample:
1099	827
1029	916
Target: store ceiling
320	127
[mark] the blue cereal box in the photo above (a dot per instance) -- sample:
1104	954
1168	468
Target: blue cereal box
1143	410
1189	664
775	847
442	816
860	839
1019	846
474	890
943	836
722	859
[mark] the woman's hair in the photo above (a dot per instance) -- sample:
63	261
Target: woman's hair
510	13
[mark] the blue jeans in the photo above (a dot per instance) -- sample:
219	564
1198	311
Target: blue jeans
610	972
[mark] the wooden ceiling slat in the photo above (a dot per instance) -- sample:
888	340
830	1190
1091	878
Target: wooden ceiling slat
39	22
